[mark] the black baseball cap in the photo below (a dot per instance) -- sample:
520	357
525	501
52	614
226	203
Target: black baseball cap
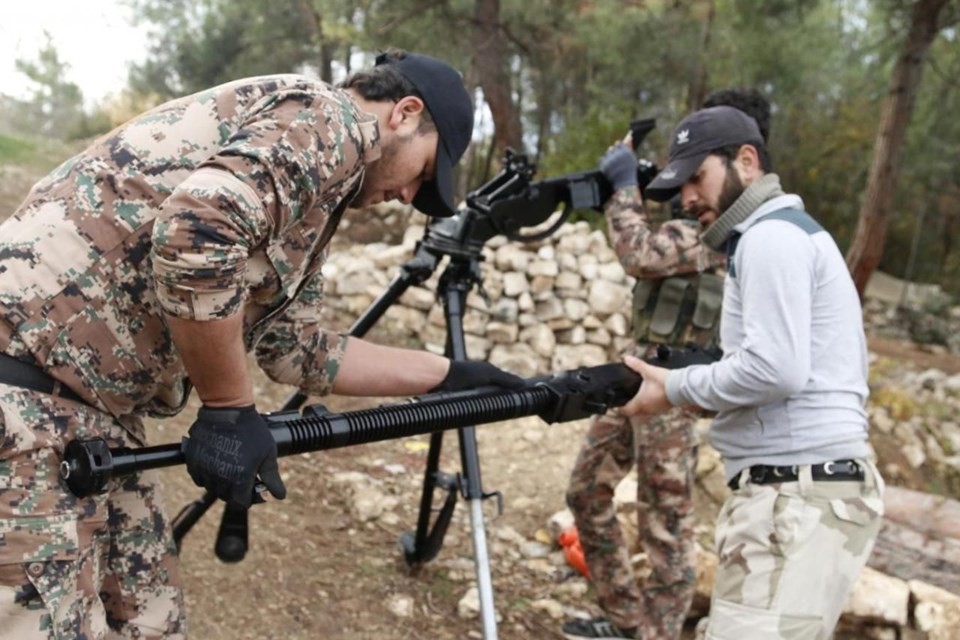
441	88
694	138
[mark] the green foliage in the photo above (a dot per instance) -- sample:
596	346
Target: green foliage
585	139
35	153
16	150
580	71
196	44
898	403
54	106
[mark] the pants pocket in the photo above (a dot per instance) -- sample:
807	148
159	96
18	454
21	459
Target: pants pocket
794	523
54	582
733	621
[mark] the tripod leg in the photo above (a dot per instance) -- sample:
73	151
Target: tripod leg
454	285
424	544
189	516
475	495
454	300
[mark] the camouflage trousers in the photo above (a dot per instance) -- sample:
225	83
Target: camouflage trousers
790	554
101	567
663	450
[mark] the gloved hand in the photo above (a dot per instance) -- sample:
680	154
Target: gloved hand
470	374
227	448
619	166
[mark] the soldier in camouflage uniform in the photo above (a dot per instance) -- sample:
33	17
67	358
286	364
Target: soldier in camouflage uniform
677	302
789	393
155	261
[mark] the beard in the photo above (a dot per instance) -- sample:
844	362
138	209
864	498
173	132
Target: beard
733	188
377	171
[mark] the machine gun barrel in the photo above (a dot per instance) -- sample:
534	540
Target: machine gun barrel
89	465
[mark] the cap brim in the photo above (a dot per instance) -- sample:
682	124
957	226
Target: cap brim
668	182
435	198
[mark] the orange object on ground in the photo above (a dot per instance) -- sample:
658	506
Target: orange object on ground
569	539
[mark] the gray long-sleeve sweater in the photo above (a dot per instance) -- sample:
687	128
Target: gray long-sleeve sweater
792	384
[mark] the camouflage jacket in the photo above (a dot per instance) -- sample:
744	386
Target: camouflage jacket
679	279
674	248
220	202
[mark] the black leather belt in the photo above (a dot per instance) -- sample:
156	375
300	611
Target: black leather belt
18	373
836	471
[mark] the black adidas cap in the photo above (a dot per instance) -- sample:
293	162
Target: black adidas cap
694	138
447	100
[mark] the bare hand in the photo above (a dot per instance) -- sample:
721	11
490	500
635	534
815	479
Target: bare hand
652	396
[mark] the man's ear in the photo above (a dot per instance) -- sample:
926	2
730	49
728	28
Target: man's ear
405	115
748	163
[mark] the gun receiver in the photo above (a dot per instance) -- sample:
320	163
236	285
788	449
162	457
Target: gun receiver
511	201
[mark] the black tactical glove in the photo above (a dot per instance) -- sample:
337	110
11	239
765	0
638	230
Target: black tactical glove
227	448
470	374
619	166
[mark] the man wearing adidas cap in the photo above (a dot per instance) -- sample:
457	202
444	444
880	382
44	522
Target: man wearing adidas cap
789	391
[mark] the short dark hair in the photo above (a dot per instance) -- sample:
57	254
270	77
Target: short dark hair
746	99
384	83
729	152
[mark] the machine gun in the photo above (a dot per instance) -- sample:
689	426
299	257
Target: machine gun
511	201
89	465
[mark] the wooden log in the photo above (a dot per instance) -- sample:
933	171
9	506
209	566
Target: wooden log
937	516
909	554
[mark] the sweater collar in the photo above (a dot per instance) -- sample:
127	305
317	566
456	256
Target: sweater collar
764	188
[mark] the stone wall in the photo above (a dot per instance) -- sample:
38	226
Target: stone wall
554	305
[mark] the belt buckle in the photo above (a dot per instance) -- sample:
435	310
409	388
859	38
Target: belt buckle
850	467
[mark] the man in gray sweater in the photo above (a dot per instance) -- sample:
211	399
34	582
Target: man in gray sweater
789	392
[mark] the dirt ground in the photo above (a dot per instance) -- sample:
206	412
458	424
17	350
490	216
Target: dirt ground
314	571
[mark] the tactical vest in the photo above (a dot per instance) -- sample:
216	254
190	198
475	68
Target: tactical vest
678	310
682	309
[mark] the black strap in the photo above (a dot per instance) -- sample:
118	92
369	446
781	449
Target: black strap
18	373
834	471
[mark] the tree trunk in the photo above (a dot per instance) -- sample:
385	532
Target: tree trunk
697	90
324	48
866	250
468	168
490	64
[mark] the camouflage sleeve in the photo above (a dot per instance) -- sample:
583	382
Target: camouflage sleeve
648	253
295	151
296	350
